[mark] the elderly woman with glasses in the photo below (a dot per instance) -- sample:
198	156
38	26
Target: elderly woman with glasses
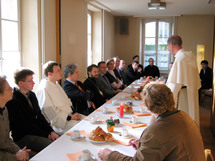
172	136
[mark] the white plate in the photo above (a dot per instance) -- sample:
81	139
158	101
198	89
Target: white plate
76	139
97	142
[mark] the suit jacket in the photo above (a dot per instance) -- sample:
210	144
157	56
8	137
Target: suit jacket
8	148
123	76
151	71
105	86
23	119
92	85
132	75
78	98
117	74
140	66
173	136
206	78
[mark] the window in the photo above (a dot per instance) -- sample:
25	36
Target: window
9	39
89	39
156	34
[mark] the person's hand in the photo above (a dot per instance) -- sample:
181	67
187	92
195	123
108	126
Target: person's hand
76	116
117	91
103	154
22	155
134	143
139	69
53	136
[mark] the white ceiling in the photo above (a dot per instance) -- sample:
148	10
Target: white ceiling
139	8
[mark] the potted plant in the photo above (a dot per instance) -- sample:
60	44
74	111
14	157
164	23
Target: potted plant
110	124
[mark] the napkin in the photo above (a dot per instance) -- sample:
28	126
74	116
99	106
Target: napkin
141	114
124	91
98	118
74	156
108	102
112	111
134	125
141	104
83	133
126	143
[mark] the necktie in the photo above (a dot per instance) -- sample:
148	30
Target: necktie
29	101
91	103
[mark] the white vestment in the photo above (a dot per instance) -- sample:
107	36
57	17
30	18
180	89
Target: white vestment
55	105
184	73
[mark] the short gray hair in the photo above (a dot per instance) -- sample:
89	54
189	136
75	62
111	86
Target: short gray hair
175	39
69	69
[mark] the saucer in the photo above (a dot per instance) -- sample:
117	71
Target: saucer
75	139
127	136
81	159
96	122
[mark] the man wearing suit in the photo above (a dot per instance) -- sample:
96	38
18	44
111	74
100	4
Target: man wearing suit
29	127
133	72
103	82
8	149
206	75
91	84
76	91
117	71
140	67
122	72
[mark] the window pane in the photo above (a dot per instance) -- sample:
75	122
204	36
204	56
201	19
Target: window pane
162	44
150	29
11	61
89	24
10	36
163	60
9	9
150	50
163	29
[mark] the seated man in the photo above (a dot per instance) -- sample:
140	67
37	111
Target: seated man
55	104
91	84
117	71
133	72
122	72
28	125
103	82
76	91
140	66
151	69
8	149
172	136
206	75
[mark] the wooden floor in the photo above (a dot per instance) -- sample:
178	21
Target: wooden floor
208	138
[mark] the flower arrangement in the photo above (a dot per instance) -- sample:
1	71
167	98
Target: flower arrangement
110	122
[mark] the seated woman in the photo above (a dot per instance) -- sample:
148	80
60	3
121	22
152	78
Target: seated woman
172	136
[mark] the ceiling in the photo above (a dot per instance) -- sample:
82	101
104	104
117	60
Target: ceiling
138	8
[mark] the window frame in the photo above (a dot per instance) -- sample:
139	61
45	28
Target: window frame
171	31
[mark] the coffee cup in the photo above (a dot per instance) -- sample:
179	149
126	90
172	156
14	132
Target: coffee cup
86	155
141	110
105	110
124	132
76	134
114	102
93	119
134	119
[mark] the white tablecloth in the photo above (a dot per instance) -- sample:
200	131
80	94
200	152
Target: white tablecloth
58	149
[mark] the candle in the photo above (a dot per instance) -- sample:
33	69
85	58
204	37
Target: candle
121	110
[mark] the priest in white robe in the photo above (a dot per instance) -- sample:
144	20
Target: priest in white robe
184	79
53	101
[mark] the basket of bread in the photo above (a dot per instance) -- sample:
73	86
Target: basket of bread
99	135
126	108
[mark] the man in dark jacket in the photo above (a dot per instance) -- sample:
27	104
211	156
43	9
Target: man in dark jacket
91	84
77	92
133	72
151	69
206	75
29	127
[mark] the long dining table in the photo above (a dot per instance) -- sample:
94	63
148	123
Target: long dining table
64	148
